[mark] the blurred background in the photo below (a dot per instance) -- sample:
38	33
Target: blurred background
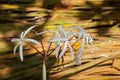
100	18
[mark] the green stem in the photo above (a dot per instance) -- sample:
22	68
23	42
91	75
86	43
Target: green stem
44	70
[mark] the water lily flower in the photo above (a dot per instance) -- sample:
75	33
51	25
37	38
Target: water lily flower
20	41
62	39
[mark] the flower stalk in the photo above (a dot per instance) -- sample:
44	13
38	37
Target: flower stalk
65	41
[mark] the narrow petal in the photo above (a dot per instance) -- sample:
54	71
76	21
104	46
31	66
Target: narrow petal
63	51
80	34
21	36
33	41
15	40
87	39
15	48
55	33
58	39
70	35
90	38
62	32
80	52
57	50
42	32
21	52
79	56
28	30
71	50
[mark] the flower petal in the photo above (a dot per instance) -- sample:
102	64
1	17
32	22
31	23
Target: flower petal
21	36
33	41
80	52
28	30
79	56
21	52
87	39
15	48
62	32
63	51
58	39
15	40
71	50
57	50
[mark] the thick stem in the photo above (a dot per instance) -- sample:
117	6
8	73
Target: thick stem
44	73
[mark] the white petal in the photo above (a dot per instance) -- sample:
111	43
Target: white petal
70	35
33	41
71	50
58	39
80	34
42	32
57	50
79	56
28	30
62	32
83	41
87	39
15	40
80	52
21	52
15	48
55	32
21	35
63	51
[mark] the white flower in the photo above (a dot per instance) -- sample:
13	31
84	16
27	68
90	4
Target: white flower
86	38
20	41
67	39
62	38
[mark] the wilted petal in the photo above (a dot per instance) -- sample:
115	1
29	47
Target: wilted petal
33	41
28	30
63	51
21	52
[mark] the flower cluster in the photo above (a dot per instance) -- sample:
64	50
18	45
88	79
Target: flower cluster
72	40
65	40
